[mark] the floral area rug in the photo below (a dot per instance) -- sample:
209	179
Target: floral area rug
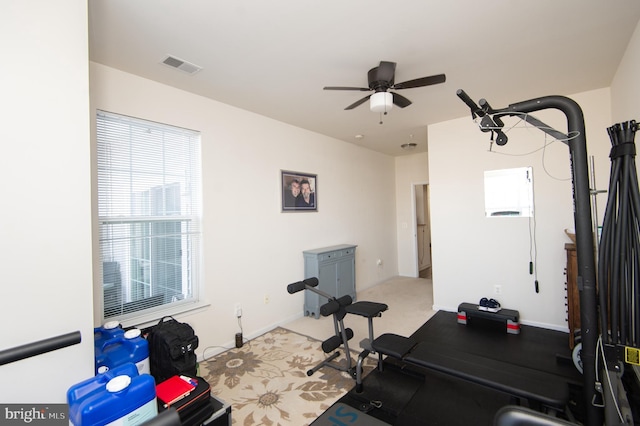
266	380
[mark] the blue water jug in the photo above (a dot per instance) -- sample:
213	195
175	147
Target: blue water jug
110	330
130	347
120	396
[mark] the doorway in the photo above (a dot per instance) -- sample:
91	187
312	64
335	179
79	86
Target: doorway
422	231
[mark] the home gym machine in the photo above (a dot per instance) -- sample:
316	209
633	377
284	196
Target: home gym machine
490	121
339	308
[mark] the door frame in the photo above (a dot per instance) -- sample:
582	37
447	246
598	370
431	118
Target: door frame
414	227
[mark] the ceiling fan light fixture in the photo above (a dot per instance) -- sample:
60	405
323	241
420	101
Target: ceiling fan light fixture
409	145
381	102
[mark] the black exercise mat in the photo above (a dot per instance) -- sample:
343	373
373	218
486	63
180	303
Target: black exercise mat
536	348
385	394
446	401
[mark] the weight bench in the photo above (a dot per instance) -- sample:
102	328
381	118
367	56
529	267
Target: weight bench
339	308
540	388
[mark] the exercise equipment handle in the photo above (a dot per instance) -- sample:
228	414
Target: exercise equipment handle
475	109
301	285
295	287
40	347
484	104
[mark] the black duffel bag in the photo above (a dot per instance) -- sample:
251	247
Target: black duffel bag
172	346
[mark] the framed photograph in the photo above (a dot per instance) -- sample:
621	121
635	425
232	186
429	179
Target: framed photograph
299	191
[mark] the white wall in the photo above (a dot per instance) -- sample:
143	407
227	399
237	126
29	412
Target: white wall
251	249
473	253
45	249
410	170
625	88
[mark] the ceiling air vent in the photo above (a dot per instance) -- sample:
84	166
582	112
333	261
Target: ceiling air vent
185	66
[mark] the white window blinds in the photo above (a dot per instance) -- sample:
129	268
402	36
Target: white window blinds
149	213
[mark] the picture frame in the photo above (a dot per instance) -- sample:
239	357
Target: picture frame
299	191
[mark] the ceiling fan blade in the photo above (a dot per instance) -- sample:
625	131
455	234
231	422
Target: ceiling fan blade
420	82
400	100
361	89
386	71
358	103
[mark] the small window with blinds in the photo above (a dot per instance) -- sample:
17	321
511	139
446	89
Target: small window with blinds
149	214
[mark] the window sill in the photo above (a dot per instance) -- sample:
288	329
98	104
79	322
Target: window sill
153	318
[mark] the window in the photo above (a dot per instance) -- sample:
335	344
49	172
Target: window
149	216
508	192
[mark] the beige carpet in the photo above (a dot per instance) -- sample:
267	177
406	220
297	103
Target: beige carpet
266	380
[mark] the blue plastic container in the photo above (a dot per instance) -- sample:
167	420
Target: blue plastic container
101	335
130	347
118	397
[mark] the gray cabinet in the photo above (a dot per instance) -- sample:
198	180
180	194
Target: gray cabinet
335	269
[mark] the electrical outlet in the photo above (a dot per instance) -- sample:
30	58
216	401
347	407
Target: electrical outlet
238	310
497	289
266	299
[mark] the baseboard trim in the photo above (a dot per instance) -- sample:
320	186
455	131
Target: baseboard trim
231	344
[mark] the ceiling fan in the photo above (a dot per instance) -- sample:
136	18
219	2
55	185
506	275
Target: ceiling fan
381	80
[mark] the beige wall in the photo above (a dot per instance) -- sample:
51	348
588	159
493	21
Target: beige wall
625	88
45	248
251	249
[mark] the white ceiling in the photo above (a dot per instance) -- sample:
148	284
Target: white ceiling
275	57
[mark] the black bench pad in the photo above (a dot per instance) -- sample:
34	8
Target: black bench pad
512	379
393	345
367	309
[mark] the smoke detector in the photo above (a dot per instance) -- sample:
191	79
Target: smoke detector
182	65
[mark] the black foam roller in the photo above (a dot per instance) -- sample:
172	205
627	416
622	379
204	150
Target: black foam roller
333	342
313	281
295	287
349	333
345	300
331	307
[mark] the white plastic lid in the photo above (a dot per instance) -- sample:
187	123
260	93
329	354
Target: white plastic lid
103	369
132	334
110	325
118	383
